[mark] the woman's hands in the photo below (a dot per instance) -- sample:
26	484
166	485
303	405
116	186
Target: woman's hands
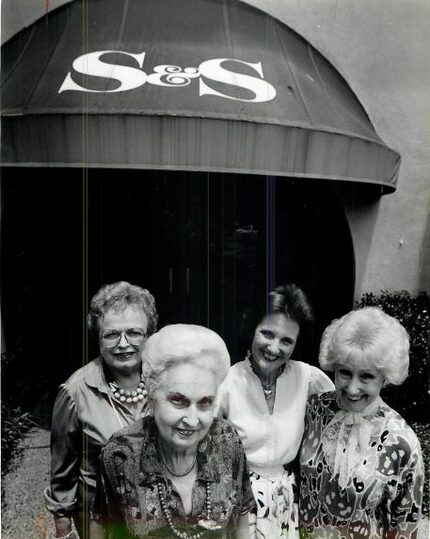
64	529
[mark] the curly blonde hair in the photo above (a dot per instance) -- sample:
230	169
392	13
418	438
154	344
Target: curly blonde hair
367	338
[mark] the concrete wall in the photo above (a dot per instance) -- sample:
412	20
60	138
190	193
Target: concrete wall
18	14
381	48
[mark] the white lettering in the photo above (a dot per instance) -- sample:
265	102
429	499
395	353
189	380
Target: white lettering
165	75
91	64
213	69
168	75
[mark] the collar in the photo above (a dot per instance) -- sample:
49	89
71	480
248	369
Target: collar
349	446
248	364
95	376
356	418
151	468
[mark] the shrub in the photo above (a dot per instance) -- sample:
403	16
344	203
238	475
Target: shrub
412	400
15	423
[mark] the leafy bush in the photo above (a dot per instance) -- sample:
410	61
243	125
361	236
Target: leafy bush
412	399
15	423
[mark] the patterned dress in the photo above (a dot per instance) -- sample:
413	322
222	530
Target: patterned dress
378	494
271	441
128	501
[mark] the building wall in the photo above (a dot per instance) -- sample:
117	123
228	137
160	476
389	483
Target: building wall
16	15
381	48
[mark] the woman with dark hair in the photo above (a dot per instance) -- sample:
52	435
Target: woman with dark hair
264	397
361	463
97	400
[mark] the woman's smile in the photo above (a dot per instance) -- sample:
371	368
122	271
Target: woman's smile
184	405
353	397
186	433
123	355
274	341
268	356
357	388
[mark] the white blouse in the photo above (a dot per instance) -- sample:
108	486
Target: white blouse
270	440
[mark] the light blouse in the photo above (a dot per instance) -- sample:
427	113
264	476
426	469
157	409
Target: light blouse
270	440
86	414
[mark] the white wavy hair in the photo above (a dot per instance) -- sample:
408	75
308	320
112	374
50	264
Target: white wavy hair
367	338
180	344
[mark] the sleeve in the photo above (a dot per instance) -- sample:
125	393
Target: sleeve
222	400
66	444
106	516
319	382
404	508
248	501
105	508
308	422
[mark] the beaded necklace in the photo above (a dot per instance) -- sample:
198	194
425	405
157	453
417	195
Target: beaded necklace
129	396
207	523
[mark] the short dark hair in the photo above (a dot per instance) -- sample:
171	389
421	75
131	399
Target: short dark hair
290	300
118	296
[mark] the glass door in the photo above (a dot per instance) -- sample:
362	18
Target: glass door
209	246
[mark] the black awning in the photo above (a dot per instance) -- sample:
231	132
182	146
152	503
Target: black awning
212	85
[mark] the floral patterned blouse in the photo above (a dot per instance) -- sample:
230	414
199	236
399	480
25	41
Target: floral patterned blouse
382	493
127	499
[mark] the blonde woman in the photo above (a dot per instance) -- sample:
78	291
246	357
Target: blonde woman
361	464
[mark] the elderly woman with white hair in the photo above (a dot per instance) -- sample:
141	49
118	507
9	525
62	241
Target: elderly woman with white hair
361	464
179	472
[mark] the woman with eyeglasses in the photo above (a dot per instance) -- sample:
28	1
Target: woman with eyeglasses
100	398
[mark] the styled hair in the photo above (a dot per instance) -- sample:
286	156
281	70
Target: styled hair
119	296
287	299
367	338
291	301
178	344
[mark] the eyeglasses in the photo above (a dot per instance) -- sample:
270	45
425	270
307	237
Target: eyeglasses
112	337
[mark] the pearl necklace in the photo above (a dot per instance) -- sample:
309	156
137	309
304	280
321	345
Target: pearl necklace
208	523
178	474
126	395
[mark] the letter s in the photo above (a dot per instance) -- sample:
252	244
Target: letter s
91	64
212	69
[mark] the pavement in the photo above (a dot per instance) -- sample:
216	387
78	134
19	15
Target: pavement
23	511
